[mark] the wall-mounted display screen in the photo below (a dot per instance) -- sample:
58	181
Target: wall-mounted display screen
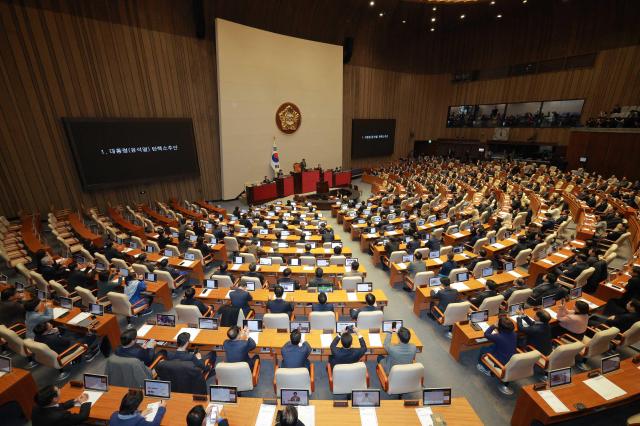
372	137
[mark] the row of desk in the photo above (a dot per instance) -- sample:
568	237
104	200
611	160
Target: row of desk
296	183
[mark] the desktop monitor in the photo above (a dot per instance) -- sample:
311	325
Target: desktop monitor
149	249
189	256
238	260
462	276
287	286
407	258
487	272
263	232
420	222
365	398
434	254
207	323
252	325
96	382
313	245
548	301
610	363
5	364
42	295
65	302
133	245
168	253
96	309
193	238
211	284
294	262
283	245
559	377
166	320
364	287
322	263
372	231
507	234
513	309
458	249
436	396
243	230
79	259
342	326
350	260
223	394
294	397
123	272
479	316
150	276
302	326
575	293
434	281
390	325
19	286
265	261
325	288
157	389
334	245
453	230
251	285
174	234
492	240
285	233
508	266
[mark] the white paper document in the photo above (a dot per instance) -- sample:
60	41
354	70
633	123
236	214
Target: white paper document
352	297
79	318
482	280
424	415
193	333
438	261
551	313
460	286
553	401
205	292
93	395
282	268
308	268
187	263
401	266
605	387
59	311
325	340
368	416
236	266
547	261
255	335
591	305
515	274
226	296
564	256
307	415
374	340
483	326
498	245
265	415
513	240
144	329
217	408
154	409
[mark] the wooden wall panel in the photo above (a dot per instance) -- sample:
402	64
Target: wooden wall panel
57	64
608	151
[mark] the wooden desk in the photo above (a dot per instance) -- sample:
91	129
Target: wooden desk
211	208
422	299
82	231
530	406
465	337
397	270
18	386
460	413
161	292
318	252
542	266
186	212
195	269
124	224
305	272
159	219
105	326
30	238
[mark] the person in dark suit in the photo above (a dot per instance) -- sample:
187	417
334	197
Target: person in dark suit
11	310
238	345
204	248
307	250
442	298
182	354
346	354
110	252
130	415
504	343
448	266
294	354
370	306
253	273
318	279
49	411
130	349
433	244
106	284
521	245
392	245
518	284
80	278
51	270
163	238
189	299
198	416
163	265
576	269
322	305
278	305
548	287
286	278
600	273
537	333
631	291
621	320
548	223
240	297
51	336
489	291
413	244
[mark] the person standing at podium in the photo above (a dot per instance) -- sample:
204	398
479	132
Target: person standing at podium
303	165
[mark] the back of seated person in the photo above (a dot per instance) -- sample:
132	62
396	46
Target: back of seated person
448	266
50	410
278	305
318	280
130	349
254	273
370	300
183	354
198	416
129	413
238	345
106	283
287	278
355	271
489	291
322	305
11	310
294	354
46	333
190	299
240	297
80	278
346	354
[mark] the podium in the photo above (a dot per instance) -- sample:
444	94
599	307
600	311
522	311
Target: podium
285	186
322	187
304	182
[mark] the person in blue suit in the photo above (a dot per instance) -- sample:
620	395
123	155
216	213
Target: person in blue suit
322	305
240	297
278	305
238	345
294	354
504	343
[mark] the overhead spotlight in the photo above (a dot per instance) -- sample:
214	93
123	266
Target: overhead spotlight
463	16
499	16
381	14
432	29
372	3
524	1
433	19
404	21
434	8
492	3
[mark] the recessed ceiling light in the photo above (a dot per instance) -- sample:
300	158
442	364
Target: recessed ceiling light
463	16
381	14
432	29
433	19
524	1
404	21
434	8
499	16
371	3
492	3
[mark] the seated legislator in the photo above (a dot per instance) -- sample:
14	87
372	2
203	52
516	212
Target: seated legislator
129	348
370	300
51	336
416	265
538	331
199	416
50	411
130	415
163	265
203	247
318	279
289	417
278	305
52	270
111	252
489	291
238	345
548	287
631	291
624	320
287	278
573	322
182	354
448	266
11	310
142	260
518	284
346	354
399	353
294	354
190	299
322	305
443	297
80	278
240	297
106	283
36	312
504	343
254	273
163	237
355	271
133	289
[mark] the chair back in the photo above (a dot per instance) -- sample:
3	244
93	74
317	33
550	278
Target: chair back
196	253
276	320
292	378
481	242
396	256
631	336
188	314
454	272
58	289
456	312
248	258
338	260
424	251
372	319
140	269
564	356
42	353
85	253
422	278
522	258
236	374
307	261
584	276
138	242
519	296
351	283
477	270
41	283
347	377
600	342
405	378
224	281
231	244
120	304
539	251
322	320
100	258
14	342
119	263
276	260
520	366
86	296
492	304
254	280
165	276
127	371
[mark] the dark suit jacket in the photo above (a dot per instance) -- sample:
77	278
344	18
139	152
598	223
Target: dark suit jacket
624	321
631	290
55	341
238	350
279	306
258	275
240	299
294	356
137	351
317	307
53	272
412	246
576	270
344	355
185	356
447	267
316	282
504	344
538	334
111	252
60	416
11	312
80	278
444	297
545	290
479	297
195	302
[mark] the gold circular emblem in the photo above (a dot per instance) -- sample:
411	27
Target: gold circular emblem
288	118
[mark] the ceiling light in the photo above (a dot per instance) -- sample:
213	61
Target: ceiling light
433	19
432	29
499	16
524	1
492	3
381	14
404	21
434	8
463	16
371	3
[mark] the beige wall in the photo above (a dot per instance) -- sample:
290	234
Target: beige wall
257	72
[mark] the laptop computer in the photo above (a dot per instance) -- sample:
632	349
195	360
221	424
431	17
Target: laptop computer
157	389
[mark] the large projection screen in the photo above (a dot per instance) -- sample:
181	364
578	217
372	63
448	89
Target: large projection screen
257	72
